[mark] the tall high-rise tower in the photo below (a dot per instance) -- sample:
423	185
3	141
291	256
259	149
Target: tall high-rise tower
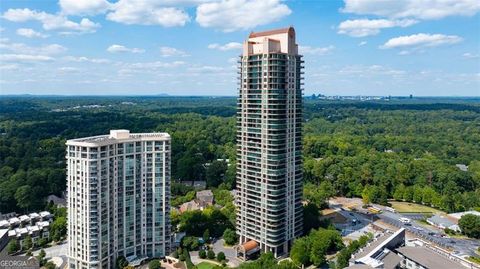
118	198
269	141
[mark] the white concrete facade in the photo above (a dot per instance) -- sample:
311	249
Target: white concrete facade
269	141
118	198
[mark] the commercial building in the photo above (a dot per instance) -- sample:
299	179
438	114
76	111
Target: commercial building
269	141
118	198
389	251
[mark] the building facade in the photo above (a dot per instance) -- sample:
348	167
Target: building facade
118	198
269	141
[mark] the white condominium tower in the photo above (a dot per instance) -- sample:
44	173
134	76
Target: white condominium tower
118	198
269	141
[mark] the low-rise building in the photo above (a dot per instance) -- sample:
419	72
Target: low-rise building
189	206
45	215
205	198
14	222
388	251
58	201
459	215
24	219
443	222
425	258
3	238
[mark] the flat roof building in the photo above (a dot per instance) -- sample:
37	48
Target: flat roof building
118	200
425	258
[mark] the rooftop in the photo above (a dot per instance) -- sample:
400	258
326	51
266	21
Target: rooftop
117	136
250	245
271	32
458	215
440	220
428	258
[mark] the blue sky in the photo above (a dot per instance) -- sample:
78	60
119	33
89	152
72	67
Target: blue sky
190	47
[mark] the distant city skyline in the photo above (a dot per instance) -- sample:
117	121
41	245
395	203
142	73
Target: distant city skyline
189	47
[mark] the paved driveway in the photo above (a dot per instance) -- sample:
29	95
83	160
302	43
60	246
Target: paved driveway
219	246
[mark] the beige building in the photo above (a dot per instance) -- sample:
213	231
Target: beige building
118	198
269	140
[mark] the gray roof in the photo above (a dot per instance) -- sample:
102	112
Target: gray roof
391	260
441	221
373	244
206	195
428	258
359	266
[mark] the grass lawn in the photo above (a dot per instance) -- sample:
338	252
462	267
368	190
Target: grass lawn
406	207
205	265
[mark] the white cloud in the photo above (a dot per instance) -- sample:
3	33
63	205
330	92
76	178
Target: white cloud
24	58
147	12
30	33
363	43
169	52
236	15
21	48
418	9
206	69
55	22
421	40
228	46
315	51
9	67
68	69
119	48
85	59
84	7
366	27
469	55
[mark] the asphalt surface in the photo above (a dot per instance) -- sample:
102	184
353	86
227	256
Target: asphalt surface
461	247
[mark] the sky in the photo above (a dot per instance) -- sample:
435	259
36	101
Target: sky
191	47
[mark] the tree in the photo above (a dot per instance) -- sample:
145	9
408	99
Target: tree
13	246
41	257
42	242
230	237
311	217
59	228
206	236
23	197
27	243
202	254
210	254
154	264
300	251
399	191
215	173
470	225
220	256
121	262
190	242
50	265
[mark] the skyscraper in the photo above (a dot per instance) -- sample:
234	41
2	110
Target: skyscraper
269	141
118	198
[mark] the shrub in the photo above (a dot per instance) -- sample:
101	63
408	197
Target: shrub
202	254
220	256
211	254
155	264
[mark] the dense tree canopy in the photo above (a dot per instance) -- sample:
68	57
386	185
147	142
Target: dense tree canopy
402	149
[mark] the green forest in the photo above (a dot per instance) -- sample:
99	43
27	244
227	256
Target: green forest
401	148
